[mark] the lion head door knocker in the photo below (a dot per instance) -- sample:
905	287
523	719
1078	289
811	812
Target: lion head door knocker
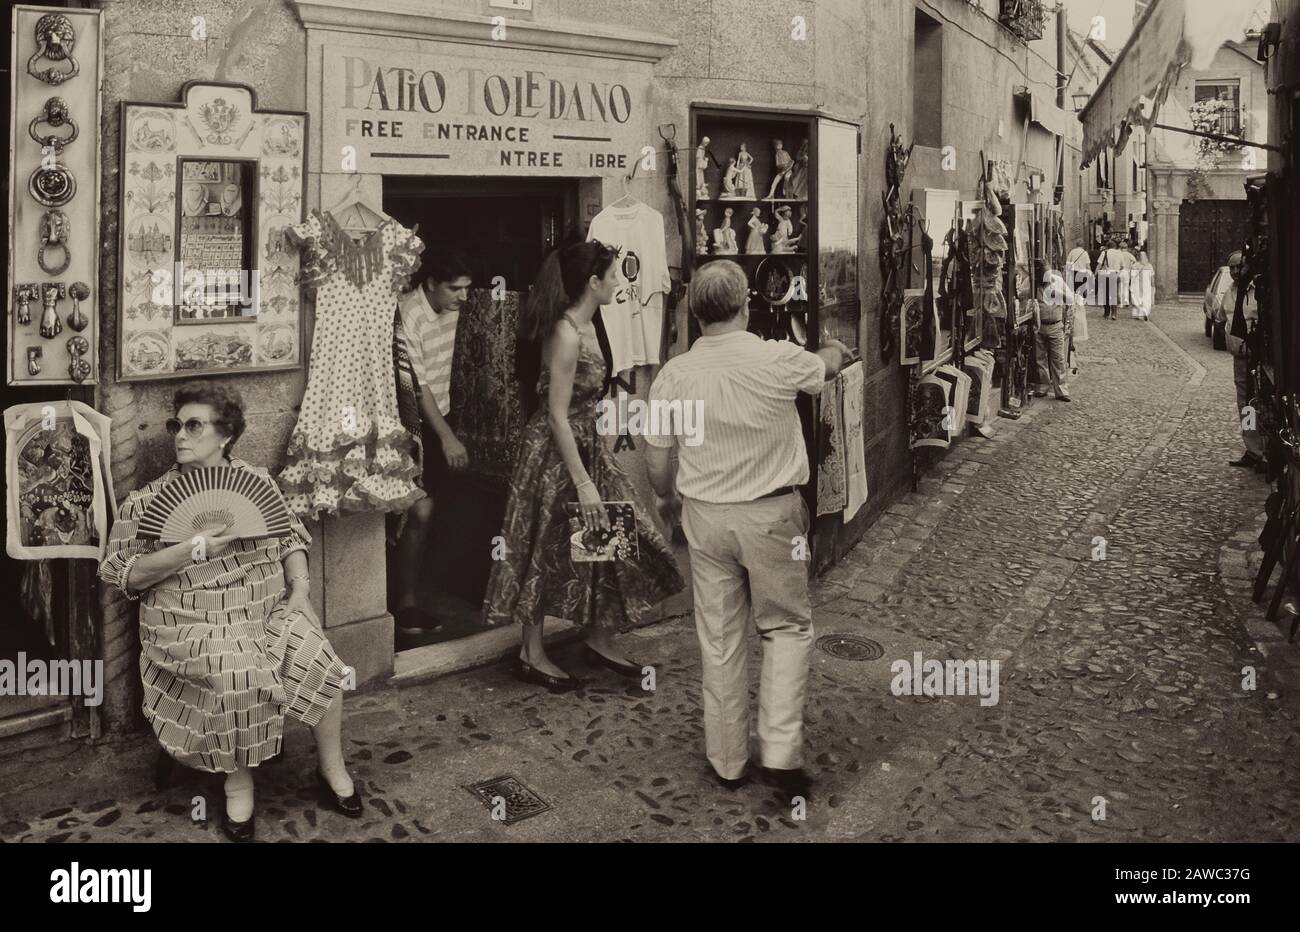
24	295
51	292
77	320
52	184
55	38
54	235
79	367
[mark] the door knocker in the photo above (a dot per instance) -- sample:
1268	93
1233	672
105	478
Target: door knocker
78	320
55	38
51	292
33	360
24	295
52	187
79	368
54	233
55	115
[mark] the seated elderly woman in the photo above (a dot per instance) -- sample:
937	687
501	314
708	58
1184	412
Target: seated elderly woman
226	647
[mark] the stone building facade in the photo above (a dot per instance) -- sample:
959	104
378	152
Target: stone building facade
943	72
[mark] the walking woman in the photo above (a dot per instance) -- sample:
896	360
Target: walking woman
563	459
1142	287
226	647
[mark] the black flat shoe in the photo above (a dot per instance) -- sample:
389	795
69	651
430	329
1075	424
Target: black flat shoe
1249	461
791	783
238	832
350	806
631	670
734	783
526	672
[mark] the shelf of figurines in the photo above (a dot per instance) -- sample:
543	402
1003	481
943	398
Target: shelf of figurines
729	232
751	200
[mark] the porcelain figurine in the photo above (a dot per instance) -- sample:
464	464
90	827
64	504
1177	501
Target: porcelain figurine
744	173
724	237
754	245
796	185
701	163
701	233
729	181
782	240
783	165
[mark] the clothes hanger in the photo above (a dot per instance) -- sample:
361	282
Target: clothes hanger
627	196
351	212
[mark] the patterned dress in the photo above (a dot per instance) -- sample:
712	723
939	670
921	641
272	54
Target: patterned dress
349	451
536	578
221	659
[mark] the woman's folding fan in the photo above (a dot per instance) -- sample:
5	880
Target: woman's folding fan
248	505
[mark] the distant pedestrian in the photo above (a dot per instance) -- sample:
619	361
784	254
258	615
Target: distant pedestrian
1113	270
1142	288
1056	306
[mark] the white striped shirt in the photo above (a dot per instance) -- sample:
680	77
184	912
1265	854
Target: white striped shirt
750	436
430	342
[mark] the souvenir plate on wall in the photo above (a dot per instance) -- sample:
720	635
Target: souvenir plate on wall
207	280
54	168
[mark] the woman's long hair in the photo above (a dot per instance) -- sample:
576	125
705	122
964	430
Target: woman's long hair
560	283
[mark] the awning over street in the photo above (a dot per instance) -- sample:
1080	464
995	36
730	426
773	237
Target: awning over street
1171	34
1047	115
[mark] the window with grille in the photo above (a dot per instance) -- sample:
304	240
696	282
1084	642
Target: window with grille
1230	91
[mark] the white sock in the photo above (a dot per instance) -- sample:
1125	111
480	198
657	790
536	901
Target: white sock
239	795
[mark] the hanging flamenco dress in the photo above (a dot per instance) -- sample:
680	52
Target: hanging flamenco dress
349	450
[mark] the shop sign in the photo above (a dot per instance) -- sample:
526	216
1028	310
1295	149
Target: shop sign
457	110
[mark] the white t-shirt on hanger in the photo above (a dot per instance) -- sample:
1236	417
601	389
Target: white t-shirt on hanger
634	323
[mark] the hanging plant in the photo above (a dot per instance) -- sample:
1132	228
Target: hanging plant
1207	117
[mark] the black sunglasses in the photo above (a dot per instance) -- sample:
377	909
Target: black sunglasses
194	427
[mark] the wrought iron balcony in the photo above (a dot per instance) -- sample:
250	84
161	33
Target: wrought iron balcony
1024	18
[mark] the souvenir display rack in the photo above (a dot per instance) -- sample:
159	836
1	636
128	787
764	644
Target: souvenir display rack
54	197
791	314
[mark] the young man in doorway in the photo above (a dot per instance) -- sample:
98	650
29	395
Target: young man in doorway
427	327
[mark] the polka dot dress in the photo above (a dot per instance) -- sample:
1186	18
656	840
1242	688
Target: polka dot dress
349	450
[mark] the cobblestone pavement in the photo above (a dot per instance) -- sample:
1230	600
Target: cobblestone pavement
1121	679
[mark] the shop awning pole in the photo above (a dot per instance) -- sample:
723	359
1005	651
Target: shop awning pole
1218	137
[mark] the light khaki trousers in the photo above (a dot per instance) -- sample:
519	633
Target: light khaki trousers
750	560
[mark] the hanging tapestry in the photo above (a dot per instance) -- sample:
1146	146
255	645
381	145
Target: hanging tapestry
911	317
485	398
832	485
855	461
58	481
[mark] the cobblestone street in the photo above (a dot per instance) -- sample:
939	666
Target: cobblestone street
1121	678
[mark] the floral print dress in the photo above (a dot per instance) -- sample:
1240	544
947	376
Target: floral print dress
536	578
349	450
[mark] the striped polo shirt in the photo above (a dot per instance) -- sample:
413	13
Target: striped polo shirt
430	341
750	437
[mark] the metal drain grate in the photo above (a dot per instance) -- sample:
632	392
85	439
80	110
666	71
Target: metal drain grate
521	801
847	647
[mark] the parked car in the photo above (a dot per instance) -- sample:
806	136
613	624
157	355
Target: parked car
1216	315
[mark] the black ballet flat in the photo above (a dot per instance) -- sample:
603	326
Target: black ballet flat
350	806
630	670
526	672
238	832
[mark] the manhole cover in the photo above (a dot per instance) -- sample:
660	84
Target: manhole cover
520	801
846	647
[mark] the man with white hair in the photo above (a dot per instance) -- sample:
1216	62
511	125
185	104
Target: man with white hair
745	520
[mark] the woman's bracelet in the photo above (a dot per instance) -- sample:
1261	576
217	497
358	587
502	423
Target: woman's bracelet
302	576
585	482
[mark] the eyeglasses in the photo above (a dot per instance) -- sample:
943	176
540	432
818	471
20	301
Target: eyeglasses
194	427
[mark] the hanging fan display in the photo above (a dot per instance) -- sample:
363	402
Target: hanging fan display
247	504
